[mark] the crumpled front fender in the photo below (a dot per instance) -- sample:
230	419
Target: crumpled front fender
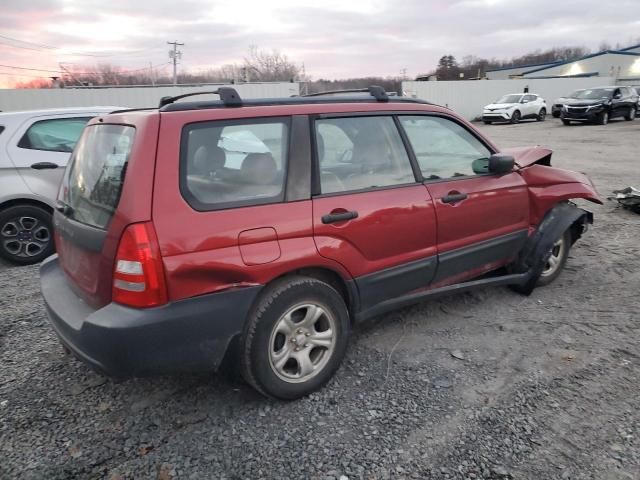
549	186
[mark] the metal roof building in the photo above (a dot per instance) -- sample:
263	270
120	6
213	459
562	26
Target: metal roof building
622	64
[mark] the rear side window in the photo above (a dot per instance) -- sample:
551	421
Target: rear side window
227	164
93	181
54	135
360	153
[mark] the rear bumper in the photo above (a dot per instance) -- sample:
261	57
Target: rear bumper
186	335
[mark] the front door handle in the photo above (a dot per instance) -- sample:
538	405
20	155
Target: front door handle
454	197
339	217
44	165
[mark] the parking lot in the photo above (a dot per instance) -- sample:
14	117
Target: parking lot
487	384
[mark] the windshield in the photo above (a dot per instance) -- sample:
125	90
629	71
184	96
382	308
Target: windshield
91	188
574	94
509	99
594	93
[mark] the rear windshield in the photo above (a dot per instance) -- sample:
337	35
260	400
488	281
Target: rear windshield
93	182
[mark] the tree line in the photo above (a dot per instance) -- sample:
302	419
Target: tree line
274	66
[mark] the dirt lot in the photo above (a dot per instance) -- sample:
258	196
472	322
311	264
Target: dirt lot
544	387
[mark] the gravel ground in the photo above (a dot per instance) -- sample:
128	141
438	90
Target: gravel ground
487	384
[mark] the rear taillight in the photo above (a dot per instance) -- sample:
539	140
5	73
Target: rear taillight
138	275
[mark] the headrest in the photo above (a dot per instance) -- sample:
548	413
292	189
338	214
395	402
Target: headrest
259	169
207	160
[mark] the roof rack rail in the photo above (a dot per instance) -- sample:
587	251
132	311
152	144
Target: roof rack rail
228	95
375	91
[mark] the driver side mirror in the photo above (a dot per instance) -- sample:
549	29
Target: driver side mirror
524	101
617	96
501	163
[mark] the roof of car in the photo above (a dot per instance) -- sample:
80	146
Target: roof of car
58	111
229	98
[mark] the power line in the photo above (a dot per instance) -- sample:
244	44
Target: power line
77	73
39	47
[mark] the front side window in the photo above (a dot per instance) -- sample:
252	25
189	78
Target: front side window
360	153
54	135
445	149
234	163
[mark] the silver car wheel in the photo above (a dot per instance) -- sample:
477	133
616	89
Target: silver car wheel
302	342
555	259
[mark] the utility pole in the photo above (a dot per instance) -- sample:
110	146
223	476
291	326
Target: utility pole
174	55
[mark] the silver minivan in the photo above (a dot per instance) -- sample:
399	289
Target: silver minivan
34	149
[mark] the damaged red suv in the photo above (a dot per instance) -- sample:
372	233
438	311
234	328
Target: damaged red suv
259	232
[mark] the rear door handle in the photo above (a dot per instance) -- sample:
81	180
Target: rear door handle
44	165
339	217
454	197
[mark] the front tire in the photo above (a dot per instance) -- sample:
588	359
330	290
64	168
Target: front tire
603	118
566	122
296	338
515	118
557	260
26	234
631	115
487	122
542	115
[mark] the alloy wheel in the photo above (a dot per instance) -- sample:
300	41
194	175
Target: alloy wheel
302	342
555	259
24	236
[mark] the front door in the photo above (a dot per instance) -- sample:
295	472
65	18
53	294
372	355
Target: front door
483	218
369	212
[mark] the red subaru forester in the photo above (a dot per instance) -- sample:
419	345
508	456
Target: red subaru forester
259	232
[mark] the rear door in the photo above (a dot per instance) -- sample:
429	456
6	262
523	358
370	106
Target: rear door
41	147
530	107
483	218
369	212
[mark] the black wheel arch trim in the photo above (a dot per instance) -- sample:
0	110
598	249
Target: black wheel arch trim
555	222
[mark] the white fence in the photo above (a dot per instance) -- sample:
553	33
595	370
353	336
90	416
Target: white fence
468	97
128	97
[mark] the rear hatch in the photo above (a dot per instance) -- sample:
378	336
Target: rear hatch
107	185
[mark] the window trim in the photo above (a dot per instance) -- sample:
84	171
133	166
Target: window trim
24	137
491	150
200	206
316	188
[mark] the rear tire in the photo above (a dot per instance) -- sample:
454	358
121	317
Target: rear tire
555	114
542	115
487	122
295	339
631	115
515	118
26	234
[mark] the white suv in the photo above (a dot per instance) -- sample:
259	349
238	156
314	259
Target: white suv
34	149
515	107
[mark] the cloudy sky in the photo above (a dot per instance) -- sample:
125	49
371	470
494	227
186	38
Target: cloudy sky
334	38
